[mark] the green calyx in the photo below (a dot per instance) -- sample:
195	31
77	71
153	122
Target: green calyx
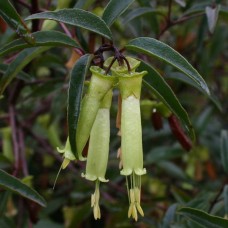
67	154
130	84
116	68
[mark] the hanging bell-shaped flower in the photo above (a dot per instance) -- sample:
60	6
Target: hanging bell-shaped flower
97	158
131	137
99	85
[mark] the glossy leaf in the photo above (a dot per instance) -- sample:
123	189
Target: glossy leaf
76	85
138	12
212	17
13	19
183	78
203	218
154	81
224	150
13	184
42	38
114	9
18	64
76	17
162	51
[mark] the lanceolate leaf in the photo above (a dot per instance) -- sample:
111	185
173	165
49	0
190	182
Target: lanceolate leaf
76	85
154	81
114	9
13	19
138	12
224	150
203	218
182	77
42	38
13	184
158	49
76	17
18	64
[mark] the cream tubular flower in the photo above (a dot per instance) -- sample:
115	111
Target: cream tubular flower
131	138
97	158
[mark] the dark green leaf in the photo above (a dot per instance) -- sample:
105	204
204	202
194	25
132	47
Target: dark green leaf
42	38
76	85
13	184
203	218
18	64
21	75
138	12
114	9
158	49
182	77
172	170
154	81
162	153
169	216
224	150
76	17
11	16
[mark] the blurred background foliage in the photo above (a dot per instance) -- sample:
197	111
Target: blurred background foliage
37	102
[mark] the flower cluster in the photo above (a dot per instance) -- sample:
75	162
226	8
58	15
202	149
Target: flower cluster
94	125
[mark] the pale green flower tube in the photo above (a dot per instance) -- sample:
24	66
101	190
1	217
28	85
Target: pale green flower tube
131	129
131	138
100	84
97	158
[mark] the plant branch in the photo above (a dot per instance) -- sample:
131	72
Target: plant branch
170	23
15	140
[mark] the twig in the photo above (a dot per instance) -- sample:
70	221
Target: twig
212	204
65	29
35	9
169	11
15	140
22	152
170	23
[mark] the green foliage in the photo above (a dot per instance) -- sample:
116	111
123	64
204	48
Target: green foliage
182	45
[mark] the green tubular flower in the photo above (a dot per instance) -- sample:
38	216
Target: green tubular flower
131	138
97	158
100	84
67	154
